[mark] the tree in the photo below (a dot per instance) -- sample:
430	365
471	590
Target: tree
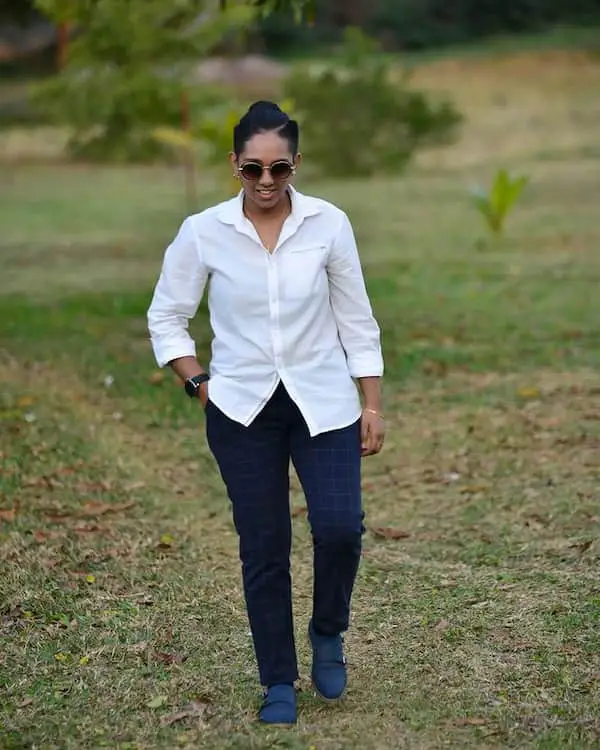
127	68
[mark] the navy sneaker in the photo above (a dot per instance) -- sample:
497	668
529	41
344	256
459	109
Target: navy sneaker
279	706
329	665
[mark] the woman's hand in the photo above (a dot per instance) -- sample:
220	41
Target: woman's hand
372	428
203	394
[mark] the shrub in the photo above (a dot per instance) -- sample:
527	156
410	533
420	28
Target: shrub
357	120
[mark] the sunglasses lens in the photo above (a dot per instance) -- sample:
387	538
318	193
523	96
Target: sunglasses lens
251	171
281	170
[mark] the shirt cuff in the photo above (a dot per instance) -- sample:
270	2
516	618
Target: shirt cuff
166	354
366	366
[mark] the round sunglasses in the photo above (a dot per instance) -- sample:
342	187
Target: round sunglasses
279	170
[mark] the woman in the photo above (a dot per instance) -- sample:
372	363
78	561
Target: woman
293	329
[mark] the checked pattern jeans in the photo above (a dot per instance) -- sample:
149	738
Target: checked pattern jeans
254	462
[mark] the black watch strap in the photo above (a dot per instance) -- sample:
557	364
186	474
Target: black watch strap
192	385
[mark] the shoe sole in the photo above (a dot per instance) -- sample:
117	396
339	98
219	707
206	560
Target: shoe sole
328	700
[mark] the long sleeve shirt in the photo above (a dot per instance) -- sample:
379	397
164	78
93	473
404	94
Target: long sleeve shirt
300	315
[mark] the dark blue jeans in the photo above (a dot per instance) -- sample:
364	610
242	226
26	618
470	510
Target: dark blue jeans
254	462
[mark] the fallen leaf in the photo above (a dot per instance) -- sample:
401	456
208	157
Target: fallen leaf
529	393
167	721
41	536
389	533
9	514
164	547
93	486
90	578
94	508
583	547
25	703
471	722
87	528
196	709
522	646
474	489
435	367
57	516
25	401
135	486
157	377
168	659
84	660
157	702
442	625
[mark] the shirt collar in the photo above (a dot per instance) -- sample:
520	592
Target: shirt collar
303	206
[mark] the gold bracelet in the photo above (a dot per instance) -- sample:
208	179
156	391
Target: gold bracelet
377	413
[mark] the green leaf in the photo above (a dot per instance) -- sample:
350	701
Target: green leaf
157	702
503	195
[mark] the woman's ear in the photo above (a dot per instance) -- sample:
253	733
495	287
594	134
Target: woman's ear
298	160
234	163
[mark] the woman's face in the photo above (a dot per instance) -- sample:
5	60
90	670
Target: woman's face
265	168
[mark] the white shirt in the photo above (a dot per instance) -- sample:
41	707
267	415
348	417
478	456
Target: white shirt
299	315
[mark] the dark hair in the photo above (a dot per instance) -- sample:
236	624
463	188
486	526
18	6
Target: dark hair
263	117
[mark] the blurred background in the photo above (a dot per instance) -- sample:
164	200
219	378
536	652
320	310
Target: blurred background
463	139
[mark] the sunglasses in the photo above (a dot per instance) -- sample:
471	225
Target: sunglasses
279	170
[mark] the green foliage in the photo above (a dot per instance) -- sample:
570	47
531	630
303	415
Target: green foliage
298	8
356	120
422	24
496	204
129	67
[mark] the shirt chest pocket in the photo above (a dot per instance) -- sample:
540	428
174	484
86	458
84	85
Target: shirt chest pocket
304	271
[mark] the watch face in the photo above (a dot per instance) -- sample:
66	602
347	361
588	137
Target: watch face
191	388
193	384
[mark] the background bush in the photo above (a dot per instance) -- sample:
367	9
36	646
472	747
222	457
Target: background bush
420	24
357	121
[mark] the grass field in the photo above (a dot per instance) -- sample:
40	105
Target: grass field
477	610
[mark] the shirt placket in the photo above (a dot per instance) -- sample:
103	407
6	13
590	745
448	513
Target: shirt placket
276	338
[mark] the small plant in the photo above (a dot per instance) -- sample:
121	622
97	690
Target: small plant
496	204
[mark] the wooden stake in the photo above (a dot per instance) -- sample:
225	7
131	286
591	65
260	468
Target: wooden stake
62	50
189	163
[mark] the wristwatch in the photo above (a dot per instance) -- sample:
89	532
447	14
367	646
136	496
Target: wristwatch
192	385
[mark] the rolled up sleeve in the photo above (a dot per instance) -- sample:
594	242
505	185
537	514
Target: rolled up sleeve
359	332
177	296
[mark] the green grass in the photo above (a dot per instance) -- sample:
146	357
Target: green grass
122	623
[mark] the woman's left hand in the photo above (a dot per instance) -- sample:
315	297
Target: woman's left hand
372	429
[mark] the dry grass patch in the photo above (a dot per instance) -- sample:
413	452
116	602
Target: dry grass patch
475	626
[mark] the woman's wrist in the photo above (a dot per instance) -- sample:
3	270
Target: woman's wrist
376	412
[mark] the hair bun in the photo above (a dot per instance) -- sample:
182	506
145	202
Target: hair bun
264	106
264	117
